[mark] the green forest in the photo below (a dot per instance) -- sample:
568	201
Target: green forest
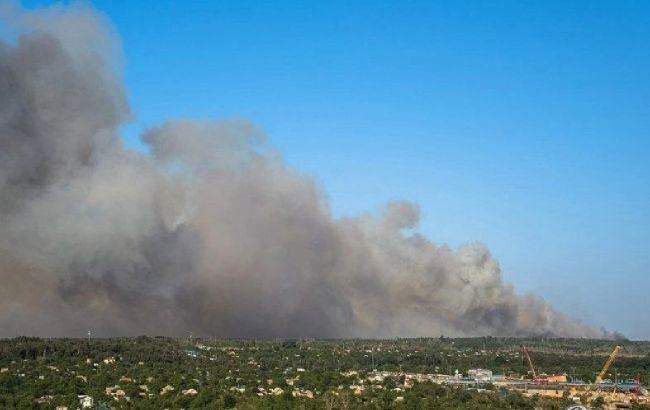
172	373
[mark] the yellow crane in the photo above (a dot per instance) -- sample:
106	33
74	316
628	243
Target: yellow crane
530	362
608	363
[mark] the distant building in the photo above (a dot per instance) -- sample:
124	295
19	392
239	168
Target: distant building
166	389
551	378
481	375
85	401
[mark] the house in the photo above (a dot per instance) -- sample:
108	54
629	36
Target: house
115	392
85	401
166	389
357	389
302	393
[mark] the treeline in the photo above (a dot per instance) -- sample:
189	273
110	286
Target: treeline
43	373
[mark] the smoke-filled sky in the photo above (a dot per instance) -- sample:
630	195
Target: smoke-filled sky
289	217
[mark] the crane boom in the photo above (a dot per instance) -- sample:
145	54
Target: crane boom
530	362
608	363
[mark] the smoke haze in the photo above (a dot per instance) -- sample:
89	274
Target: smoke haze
212	232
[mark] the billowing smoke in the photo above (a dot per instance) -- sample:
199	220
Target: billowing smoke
211	232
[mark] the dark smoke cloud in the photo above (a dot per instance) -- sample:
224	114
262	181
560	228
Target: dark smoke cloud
211	233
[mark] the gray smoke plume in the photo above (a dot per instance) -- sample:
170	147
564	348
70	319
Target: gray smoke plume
211	233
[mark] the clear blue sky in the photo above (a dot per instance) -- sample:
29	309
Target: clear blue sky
525	125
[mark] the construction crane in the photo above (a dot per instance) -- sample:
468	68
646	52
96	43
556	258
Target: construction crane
608	363
634	392
530	362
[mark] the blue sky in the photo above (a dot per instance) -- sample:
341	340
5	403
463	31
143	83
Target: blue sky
524	125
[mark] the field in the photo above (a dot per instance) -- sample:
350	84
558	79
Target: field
159	373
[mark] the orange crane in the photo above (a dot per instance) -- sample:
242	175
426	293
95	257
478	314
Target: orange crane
530	362
634	392
608	363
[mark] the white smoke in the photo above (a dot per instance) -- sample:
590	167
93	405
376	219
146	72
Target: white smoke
211	233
